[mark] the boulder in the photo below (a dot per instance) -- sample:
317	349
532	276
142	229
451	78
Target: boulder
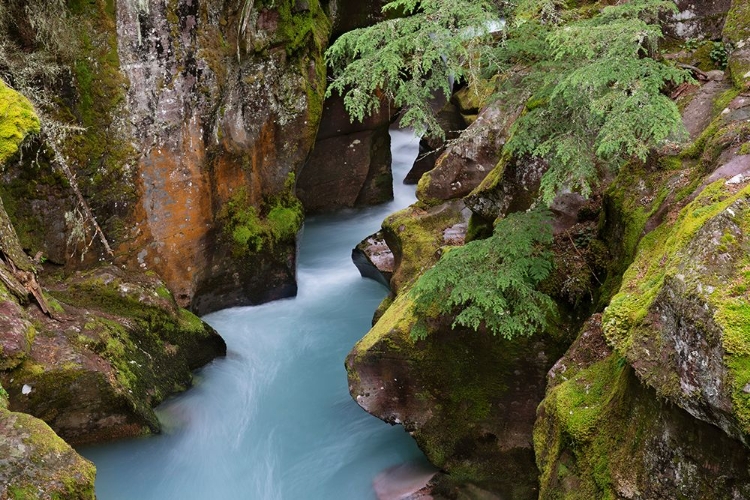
737	32
584	450
36	463
115	346
468	399
469	159
678	316
697	20
416	234
374	259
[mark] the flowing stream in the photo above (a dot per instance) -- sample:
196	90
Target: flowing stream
274	419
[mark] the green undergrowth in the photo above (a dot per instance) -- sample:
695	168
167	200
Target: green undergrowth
17	120
492	282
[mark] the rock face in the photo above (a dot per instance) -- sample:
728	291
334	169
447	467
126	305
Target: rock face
350	164
208	116
181	159
115	347
737	32
700	20
681	332
584	450
469	399
470	158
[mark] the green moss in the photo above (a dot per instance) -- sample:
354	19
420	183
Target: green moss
737	30
632	199
415	236
17	120
737	24
251	232
44	462
3	398
101	154
662	255
576	417
299	29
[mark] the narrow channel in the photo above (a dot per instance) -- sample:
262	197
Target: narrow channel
274	419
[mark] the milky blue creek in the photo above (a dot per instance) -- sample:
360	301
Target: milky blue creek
274	419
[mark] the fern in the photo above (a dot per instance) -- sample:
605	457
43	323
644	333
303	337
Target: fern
492	282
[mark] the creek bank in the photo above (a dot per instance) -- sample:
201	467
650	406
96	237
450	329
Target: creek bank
659	249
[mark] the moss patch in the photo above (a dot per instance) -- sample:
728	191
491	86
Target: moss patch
279	220
711	273
17	119
40	464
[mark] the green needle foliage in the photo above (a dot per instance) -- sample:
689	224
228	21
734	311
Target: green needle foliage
597	100
598	93
492	282
410	59
597	89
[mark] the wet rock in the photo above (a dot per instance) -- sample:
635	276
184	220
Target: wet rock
374	259
350	164
469	159
469	399
583	450
677	315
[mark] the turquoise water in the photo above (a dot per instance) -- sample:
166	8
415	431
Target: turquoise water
274	419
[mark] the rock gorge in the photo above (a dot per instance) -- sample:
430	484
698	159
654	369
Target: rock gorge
159	167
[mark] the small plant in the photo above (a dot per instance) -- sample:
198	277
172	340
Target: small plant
692	44
720	54
279	219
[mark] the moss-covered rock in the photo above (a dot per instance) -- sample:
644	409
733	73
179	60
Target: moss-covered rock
468	398
678	317
163	112
737	32
116	346
37	464
600	433
415	236
468	159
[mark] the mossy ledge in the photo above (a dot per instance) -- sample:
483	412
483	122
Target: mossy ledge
116	347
